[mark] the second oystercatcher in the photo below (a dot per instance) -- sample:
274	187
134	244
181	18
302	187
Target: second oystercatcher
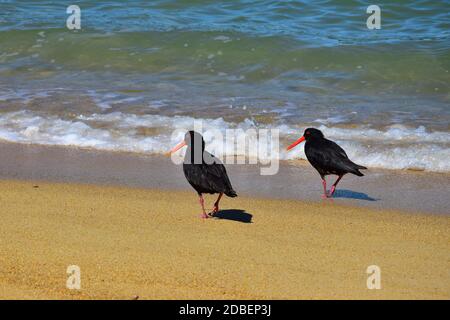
327	158
204	172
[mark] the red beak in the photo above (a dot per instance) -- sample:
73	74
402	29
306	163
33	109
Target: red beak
296	143
178	147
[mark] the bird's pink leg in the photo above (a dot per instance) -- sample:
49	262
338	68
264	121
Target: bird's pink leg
216	205
202	203
333	187
324	183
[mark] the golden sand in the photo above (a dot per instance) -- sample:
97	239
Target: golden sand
150	243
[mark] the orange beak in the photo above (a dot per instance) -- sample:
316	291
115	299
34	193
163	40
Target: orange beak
178	147
296	143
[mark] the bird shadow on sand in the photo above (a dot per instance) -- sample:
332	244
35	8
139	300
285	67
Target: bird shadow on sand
234	215
349	194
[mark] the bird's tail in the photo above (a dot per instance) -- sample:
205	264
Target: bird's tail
356	171
231	193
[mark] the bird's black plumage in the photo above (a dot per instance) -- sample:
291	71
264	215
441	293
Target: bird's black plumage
326	156
204	172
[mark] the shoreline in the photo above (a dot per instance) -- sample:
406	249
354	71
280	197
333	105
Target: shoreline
150	244
410	191
292	162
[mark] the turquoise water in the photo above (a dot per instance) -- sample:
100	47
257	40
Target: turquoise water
139	69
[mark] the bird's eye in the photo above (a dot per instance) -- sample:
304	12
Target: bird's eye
307	132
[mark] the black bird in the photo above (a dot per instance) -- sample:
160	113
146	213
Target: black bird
327	158
204	172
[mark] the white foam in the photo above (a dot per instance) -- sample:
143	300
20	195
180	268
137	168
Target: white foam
107	100
223	38
335	119
395	147
395	133
23	95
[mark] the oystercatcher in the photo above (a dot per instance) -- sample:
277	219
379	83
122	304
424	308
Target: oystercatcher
204	172
327	158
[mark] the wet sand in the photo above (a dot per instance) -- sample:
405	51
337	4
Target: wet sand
411	191
148	243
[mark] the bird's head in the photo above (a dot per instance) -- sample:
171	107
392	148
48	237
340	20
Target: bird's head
191	139
310	133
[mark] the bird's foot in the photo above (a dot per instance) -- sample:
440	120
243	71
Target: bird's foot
214	211
204	216
328	195
332	190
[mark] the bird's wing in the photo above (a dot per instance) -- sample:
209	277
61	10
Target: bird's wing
336	149
330	156
217	176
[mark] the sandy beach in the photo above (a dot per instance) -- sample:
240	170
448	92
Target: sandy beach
93	96
149	243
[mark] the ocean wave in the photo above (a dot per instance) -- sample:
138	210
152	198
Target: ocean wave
394	147
229	57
